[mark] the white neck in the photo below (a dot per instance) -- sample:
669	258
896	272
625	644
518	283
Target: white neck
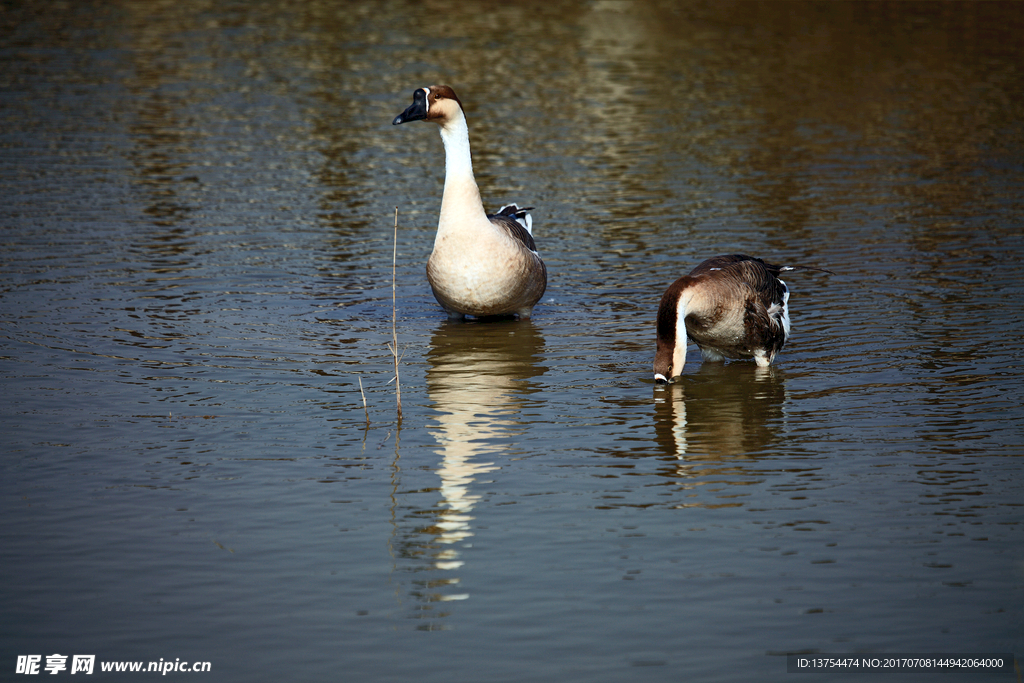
461	201
679	352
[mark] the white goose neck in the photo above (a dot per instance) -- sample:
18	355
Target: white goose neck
455	134
679	352
461	194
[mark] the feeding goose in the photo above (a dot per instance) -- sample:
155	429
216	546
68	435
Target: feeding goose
731	306
481	265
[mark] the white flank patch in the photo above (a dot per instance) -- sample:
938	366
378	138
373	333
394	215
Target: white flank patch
780	313
527	222
785	309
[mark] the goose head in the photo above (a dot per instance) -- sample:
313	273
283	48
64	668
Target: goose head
438	103
669	358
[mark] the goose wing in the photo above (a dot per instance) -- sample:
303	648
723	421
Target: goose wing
751	280
739	264
722	262
517	223
763	279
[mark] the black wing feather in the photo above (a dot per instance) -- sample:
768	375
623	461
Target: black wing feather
506	219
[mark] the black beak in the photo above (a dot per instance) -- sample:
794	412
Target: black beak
417	111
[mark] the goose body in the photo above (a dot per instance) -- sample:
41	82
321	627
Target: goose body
481	265
730	306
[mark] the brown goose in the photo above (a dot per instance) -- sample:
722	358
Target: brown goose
731	306
482	265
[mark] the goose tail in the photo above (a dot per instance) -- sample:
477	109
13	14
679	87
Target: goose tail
521	216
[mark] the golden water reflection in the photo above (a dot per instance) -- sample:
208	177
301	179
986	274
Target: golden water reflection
478	383
720	417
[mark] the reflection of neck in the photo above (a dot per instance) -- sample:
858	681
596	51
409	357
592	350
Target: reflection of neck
475	381
471	413
461	200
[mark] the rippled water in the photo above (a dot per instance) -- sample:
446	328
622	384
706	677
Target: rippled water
195	285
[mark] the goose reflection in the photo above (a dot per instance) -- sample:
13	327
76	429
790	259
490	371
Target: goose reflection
476	382
718	414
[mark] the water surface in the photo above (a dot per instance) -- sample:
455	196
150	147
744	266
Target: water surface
196	294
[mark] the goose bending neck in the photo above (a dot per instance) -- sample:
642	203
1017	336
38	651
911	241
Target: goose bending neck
677	328
461	195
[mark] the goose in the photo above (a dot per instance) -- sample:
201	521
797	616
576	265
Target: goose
731	306
482	265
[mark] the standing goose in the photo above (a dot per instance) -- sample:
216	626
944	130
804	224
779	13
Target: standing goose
482	265
731	306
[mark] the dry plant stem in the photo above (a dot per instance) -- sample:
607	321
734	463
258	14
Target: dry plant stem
365	409
394	332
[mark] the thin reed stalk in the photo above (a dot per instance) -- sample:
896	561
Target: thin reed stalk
394	331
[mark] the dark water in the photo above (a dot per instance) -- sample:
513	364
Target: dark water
197	215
